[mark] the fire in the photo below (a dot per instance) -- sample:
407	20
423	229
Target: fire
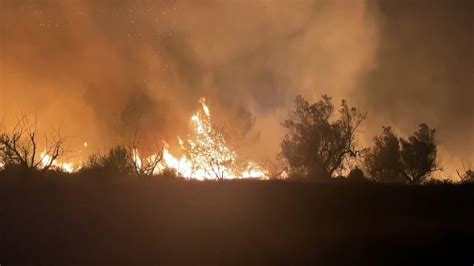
206	154
46	160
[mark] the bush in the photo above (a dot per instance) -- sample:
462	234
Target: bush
117	161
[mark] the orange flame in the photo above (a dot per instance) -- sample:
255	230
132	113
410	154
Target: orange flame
206	154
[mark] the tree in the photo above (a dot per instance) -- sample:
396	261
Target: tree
383	160
397	159
315	146
418	154
20	147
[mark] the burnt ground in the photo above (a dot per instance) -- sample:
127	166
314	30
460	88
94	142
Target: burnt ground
118	221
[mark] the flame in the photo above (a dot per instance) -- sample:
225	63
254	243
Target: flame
136	158
206	154
67	167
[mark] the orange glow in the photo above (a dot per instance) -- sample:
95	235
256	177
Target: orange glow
206	154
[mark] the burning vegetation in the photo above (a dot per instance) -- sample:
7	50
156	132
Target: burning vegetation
206	154
320	143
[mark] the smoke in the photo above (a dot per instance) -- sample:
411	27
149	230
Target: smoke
424	73
106	70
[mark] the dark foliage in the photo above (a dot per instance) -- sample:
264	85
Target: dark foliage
418	154
394	159
383	160
117	161
315	145
356	174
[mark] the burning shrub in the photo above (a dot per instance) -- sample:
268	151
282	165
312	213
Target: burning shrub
207	154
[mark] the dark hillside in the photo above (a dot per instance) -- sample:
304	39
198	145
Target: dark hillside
45	221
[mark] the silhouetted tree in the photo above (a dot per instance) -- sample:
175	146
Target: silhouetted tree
316	146
418	154
383	160
124	160
397	159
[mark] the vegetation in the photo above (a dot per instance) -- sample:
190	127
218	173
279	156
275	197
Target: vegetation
118	161
466	175
394	159
320	143
19	148
121	160
349	220
316	146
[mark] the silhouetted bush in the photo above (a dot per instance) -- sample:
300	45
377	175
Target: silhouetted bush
169	173
117	161
356	175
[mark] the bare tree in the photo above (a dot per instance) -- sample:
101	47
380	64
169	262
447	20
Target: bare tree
145	166
20	146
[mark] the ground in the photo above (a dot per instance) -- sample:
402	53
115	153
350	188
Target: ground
106	221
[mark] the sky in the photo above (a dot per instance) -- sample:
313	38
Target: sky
104	70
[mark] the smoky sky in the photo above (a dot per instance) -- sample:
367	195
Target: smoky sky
106	70
425	72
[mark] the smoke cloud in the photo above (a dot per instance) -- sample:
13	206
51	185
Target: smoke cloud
106	70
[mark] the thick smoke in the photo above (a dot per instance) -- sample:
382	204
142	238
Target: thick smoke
106	70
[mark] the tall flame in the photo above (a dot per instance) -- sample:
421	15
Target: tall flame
206	154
